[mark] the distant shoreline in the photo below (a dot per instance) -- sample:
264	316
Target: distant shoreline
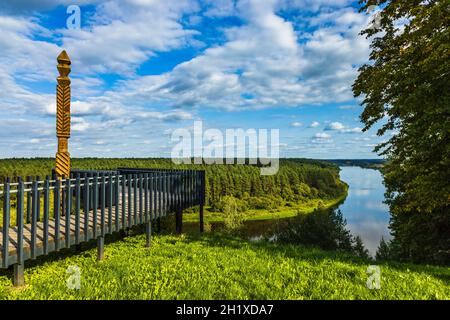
376	164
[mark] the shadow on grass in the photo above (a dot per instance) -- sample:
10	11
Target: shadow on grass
76	250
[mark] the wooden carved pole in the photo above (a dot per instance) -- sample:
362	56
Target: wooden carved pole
62	167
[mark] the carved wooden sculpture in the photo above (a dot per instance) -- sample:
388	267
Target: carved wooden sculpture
63	116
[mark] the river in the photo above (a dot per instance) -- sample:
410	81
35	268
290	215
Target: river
364	210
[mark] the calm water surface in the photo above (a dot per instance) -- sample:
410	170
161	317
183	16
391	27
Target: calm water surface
364	210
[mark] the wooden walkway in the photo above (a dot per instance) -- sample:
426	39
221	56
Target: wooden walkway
122	200
78	231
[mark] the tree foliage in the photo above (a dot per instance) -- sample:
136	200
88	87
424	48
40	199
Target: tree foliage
405	87
325	229
233	216
297	179
383	251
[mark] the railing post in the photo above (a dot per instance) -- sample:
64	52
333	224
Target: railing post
68	209
110	202
38	203
28	220
202	199
135	196
95	204
34	215
158	200
129	207
146	210
77	208
124	203
116	197
20	195
86	206
163	193
57	208
141	205
102	204
6	222
46	212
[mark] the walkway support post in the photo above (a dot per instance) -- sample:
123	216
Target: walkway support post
158	224
100	248
148	229
202	225
62	167
19	279
179	220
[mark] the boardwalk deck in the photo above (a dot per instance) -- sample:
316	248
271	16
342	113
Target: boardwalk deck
122	199
82	234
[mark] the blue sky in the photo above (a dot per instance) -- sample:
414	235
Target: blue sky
141	69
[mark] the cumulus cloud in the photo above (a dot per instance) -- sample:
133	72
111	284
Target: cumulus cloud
314	124
322	136
337	126
264	61
124	34
296	124
267	60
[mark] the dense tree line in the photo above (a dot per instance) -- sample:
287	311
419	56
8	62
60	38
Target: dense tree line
296	180
405	88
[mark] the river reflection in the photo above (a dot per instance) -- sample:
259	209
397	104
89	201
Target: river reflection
364	210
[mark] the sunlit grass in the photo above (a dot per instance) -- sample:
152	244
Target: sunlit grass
217	266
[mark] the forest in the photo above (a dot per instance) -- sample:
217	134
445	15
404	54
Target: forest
297	179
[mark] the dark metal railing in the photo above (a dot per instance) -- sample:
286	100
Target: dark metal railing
41	216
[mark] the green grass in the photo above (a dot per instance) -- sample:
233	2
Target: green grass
217	266
264	214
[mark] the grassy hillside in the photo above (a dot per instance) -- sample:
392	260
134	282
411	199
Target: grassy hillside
216	266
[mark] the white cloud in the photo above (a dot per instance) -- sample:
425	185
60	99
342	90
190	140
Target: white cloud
219	8
353	130
267	61
263	59
296	124
322	136
124	34
335	126
314	124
